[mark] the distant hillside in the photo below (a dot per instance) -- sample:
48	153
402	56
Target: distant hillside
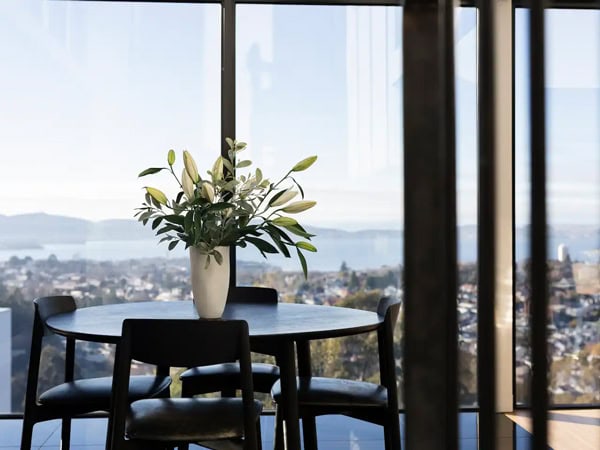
34	230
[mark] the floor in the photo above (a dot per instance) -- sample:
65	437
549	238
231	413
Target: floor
334	432
568	429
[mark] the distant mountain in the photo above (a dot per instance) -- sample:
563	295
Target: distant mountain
34	230
40	228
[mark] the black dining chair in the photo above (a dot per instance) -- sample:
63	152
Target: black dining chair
73	397
225	377
218	423
374	403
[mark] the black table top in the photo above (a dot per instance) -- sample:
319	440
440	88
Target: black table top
283	320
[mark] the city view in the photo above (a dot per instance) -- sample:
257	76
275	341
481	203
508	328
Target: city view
98	91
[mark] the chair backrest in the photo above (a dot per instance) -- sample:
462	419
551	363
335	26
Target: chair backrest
45	307
389	305
252	294
182	343
389	309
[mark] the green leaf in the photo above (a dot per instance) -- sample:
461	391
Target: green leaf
272	229
302	263
150	171
244	163
306	246
173	244
277	241
219	207
304	164
298	231
218	257
171	157
173	218
239	146
188	222
261	244
168	228
228	165
156	222
298	186
229	142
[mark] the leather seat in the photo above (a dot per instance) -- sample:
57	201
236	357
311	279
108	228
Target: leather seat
97	391
336	392
213	378
186	419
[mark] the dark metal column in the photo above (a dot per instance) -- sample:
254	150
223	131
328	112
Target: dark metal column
228	94
430	226
486	243
539	289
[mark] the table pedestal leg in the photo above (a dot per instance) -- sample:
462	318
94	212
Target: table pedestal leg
289	396
309	425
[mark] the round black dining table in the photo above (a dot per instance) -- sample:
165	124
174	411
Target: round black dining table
282	325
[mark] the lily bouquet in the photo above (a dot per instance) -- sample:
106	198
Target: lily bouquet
229	208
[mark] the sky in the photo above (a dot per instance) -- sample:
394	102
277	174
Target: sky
93	93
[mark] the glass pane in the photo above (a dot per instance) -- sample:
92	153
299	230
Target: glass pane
466	178
336	91
93	93
573	165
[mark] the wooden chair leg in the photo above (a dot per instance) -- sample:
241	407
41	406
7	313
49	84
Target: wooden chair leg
65	434
27	433
309	432
258	435
391	432
278	441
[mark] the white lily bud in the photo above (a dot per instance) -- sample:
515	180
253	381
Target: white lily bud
188	185
300	206
190	166
218	168
284	198
208	191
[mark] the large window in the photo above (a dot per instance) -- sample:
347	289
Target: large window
573	166
92	93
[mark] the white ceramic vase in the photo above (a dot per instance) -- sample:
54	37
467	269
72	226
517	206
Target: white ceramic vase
209	284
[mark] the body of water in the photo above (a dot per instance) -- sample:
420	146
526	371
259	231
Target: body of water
359	253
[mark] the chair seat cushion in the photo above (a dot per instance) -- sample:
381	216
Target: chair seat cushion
334	392
94	393
201	380
187	419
